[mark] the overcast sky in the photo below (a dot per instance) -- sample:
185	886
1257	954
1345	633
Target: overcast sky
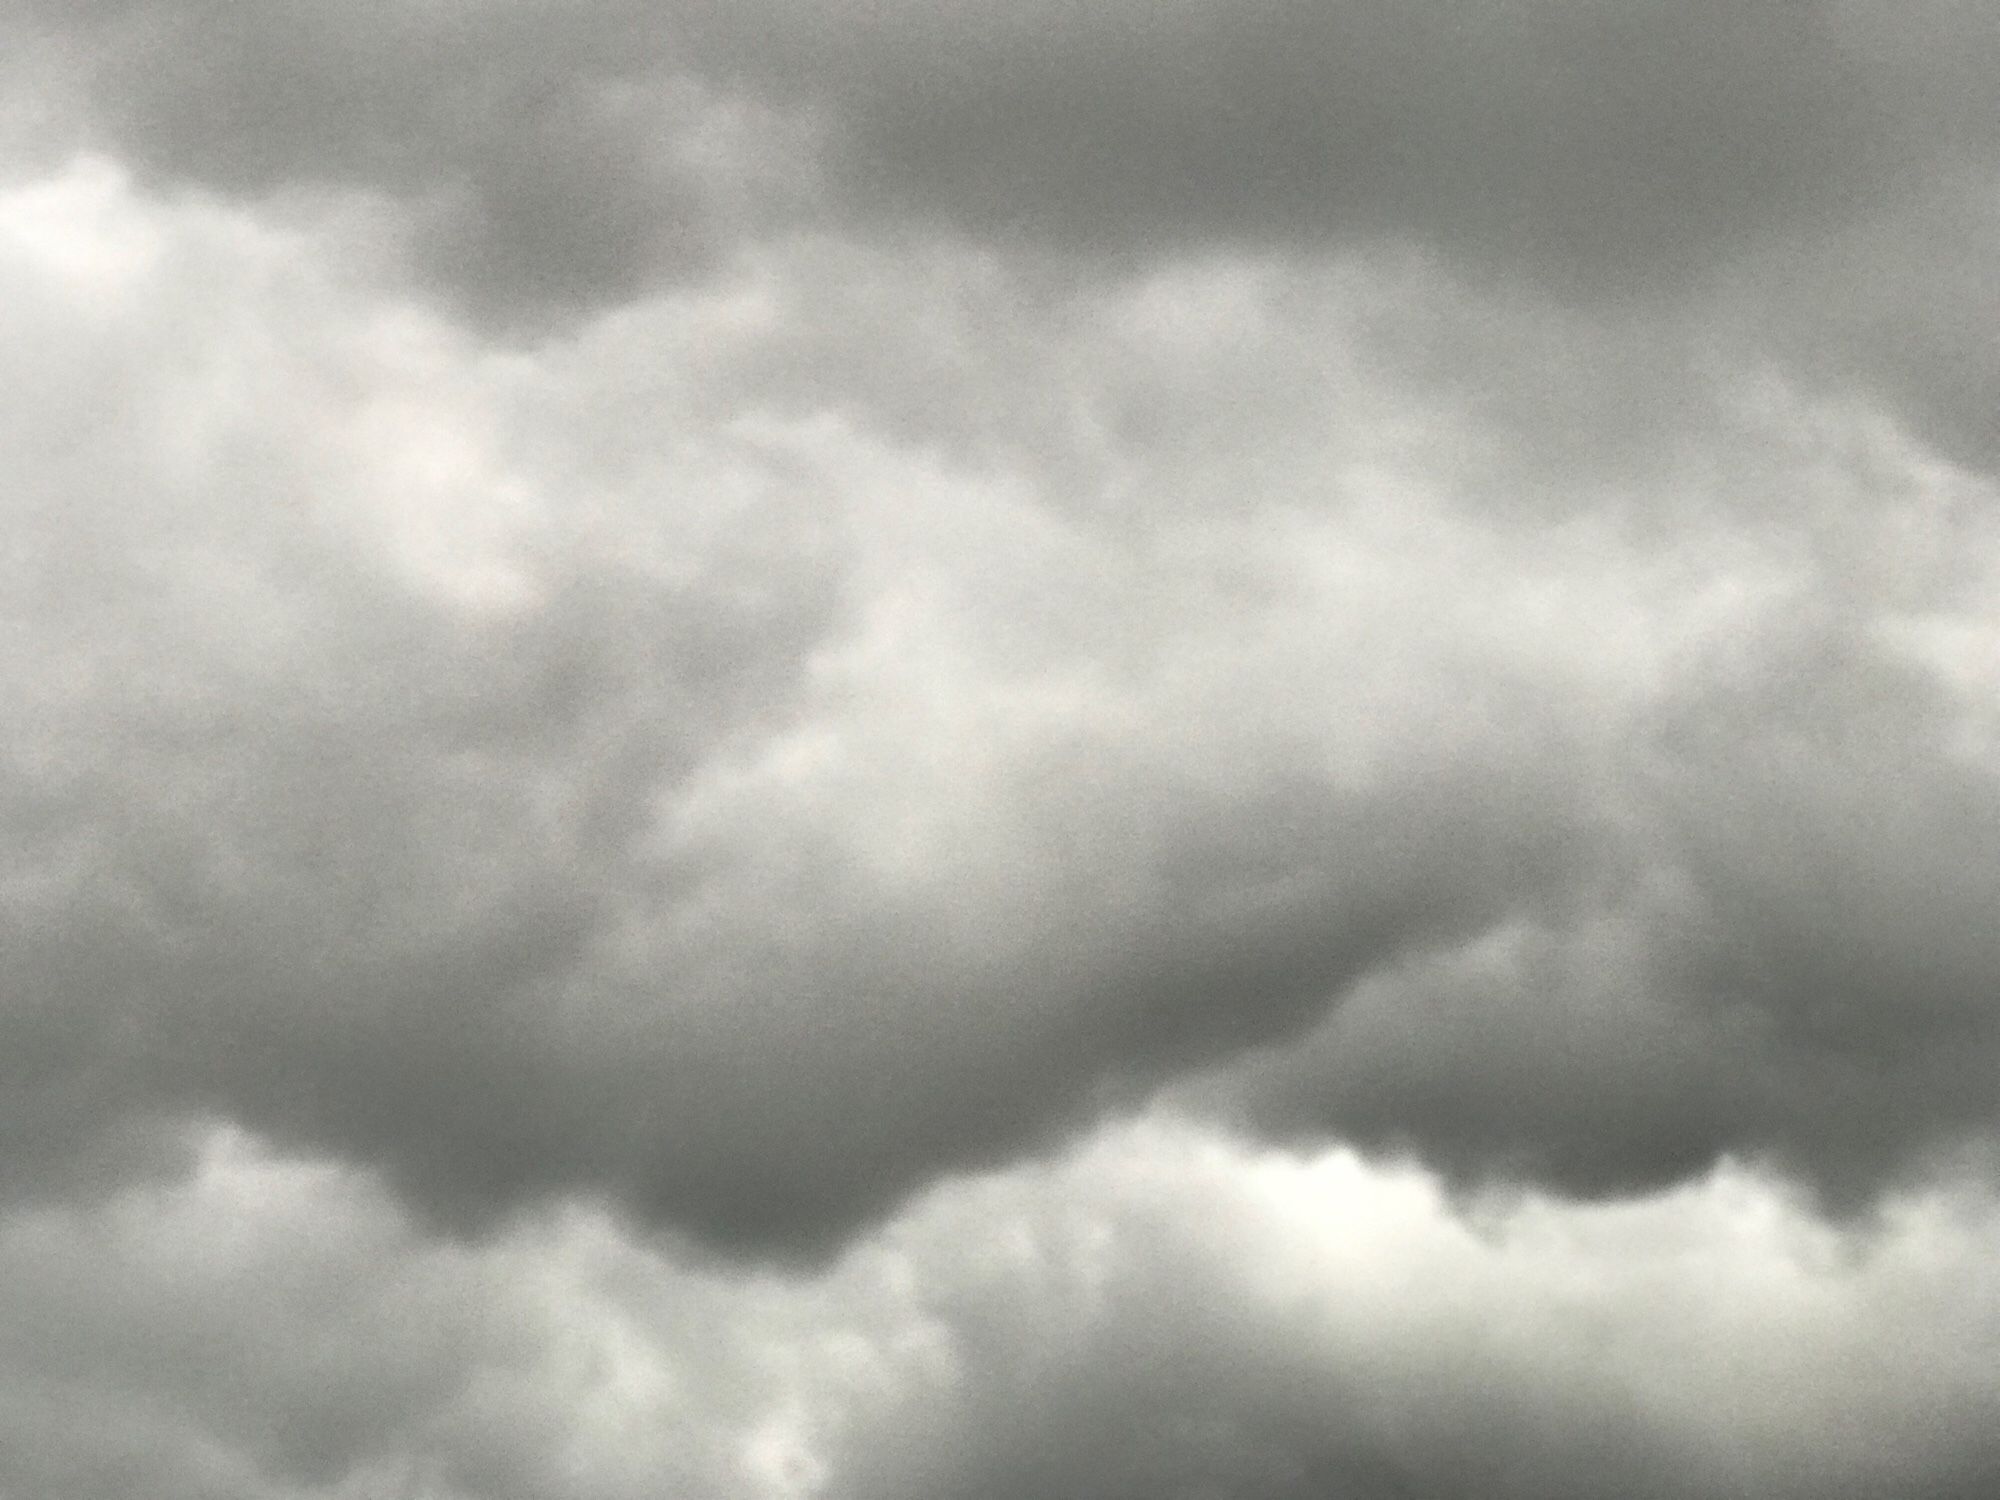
939	750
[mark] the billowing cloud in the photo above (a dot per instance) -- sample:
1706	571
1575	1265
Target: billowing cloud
1784	959
495	768
522	867
1823	169
1599	135
743	744
530	160
1166	1310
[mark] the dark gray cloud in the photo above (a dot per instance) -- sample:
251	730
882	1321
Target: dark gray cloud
1817	172
1894	306
641	856
1597	139
588	915
1792	966
1614	144
542	161
490	769
1812	174
418	932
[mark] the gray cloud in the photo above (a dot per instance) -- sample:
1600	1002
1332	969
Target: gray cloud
1810	174
1813	171
658	906
521	869
491	768
1592	139
541	161
1791	967
1164	1309
660	669
270	1329
1130	1342
1608	143
1892	308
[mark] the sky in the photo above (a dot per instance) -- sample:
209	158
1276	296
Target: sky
928	750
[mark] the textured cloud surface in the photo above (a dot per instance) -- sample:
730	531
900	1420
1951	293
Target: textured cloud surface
1106	749
1165	1312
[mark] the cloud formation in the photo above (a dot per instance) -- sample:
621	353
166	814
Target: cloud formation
491	767
524	872
1165	1310
1822	166
744	743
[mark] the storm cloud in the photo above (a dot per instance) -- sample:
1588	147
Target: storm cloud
1827	166
1164	1311
834	750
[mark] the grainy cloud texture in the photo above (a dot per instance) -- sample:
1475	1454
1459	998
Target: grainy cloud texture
1224	751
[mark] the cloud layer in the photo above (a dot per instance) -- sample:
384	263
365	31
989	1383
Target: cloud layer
1823	168
493	766
1165	1311
1229	751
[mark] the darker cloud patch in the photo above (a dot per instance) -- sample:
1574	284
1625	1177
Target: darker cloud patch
823	1055
534	152
1621	147
1596	143
604	890
408	896
1807	168
1798	972
553	217
769	1073
414	891
1895	308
